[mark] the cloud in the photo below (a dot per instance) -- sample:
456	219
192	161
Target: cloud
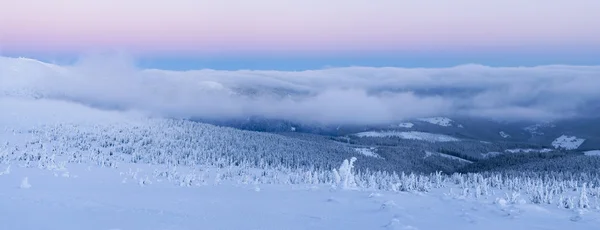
355	95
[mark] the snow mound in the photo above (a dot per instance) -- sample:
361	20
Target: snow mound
370	152
567	142
592	153
25	183
504	135
441	121
413	135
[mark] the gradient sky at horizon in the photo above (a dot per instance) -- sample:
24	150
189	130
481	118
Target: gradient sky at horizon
271	34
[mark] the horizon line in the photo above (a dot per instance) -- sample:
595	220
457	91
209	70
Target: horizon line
137	63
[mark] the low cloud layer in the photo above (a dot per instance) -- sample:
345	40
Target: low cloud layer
358	95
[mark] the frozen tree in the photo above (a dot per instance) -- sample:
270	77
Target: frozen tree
346	175
583	198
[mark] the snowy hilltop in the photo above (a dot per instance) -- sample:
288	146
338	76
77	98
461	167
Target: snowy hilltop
79	167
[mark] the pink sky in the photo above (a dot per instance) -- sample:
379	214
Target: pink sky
159	26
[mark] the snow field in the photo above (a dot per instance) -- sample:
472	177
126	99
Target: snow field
412	135
441	121
567	142
93	197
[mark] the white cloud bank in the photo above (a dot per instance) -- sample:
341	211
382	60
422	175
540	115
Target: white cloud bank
339	95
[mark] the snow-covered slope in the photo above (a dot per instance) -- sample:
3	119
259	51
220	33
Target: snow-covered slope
68	127
592	153
567	142
494	154
528	150
428	154
441	121
66	166
413	135
370	152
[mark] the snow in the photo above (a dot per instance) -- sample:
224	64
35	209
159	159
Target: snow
51	177
428	154
494	154
413	135
534	130
528	150
407	125
491	154
592	153
98	199
441	121
25	183
504	135
370	152
567	142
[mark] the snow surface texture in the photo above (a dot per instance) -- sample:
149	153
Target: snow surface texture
592	153
109	199
567	142
413	135
441	121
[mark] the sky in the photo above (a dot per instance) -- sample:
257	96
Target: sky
288	35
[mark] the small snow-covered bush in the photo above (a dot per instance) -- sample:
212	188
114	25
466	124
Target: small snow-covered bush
25	183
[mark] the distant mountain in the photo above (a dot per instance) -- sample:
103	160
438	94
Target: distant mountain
469	128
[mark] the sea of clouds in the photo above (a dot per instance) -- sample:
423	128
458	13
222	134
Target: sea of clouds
356	95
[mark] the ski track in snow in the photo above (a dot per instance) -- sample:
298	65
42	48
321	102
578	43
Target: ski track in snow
98	198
